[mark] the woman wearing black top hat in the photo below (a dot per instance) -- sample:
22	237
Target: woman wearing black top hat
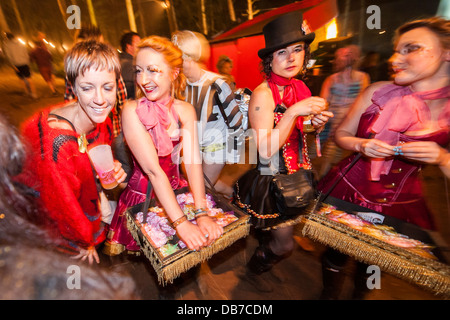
277	110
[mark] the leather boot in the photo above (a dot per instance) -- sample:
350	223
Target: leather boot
262	261
360	282
333	277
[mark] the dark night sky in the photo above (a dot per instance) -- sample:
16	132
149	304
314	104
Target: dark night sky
112	17
151	18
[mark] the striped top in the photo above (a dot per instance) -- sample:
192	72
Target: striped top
206	95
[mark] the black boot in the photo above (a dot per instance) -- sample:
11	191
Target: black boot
333	280
262	261
361	276
333	276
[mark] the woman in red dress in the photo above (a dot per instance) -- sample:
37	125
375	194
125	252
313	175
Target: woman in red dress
398	127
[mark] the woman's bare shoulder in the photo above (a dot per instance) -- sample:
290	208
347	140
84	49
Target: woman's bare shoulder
129	107
369	91
261	95
262	89
184	109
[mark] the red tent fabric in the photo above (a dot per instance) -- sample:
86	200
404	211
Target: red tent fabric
242	43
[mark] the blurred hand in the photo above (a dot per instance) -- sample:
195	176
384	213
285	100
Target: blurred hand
424	151
375	148
319	120
89	253
308	106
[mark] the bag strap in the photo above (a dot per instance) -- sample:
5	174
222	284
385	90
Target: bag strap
147	198
211	186
357	157
219	103
322	197
149	201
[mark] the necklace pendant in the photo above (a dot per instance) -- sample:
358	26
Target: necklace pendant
82	143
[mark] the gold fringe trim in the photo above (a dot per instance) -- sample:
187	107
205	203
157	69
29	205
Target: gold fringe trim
113	249
427	273
168	269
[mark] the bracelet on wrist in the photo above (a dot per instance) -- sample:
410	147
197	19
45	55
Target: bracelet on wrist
199	215
179	221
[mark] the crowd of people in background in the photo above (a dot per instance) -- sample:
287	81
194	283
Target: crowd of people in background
139	101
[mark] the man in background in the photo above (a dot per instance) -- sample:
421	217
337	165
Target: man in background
19	58
129	42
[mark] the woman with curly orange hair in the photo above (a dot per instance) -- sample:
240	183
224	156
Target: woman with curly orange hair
157	127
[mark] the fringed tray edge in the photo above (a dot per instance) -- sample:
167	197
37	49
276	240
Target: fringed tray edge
171	269
426	273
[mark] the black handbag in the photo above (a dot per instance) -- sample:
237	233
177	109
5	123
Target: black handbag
295	190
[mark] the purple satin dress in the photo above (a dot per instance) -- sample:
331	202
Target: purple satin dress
397	194
119	238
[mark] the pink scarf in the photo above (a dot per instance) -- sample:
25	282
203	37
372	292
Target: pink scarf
401	110
154	115
294	91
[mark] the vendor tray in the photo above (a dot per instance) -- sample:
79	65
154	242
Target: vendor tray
169	267
430	274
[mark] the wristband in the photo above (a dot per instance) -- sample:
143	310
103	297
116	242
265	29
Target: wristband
199	215
179	221
199	211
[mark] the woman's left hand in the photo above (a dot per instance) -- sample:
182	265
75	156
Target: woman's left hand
424	151
319	120
90	254
209	228
120	174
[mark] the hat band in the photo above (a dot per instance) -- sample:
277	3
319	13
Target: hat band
285	38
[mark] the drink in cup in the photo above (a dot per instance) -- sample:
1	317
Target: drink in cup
307	124
103	162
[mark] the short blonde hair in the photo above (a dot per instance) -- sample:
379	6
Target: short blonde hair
90	54
193	44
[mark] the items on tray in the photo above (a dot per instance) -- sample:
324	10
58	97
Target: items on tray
378	231
156	226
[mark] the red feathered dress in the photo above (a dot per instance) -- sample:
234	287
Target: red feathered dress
65	180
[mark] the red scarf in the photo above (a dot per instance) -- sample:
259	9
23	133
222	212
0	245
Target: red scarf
294	91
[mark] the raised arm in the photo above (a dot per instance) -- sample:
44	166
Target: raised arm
261	107
346	133
143	149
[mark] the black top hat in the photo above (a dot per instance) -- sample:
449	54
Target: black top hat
283	31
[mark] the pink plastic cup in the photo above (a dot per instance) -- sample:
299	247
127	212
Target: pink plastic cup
103	162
